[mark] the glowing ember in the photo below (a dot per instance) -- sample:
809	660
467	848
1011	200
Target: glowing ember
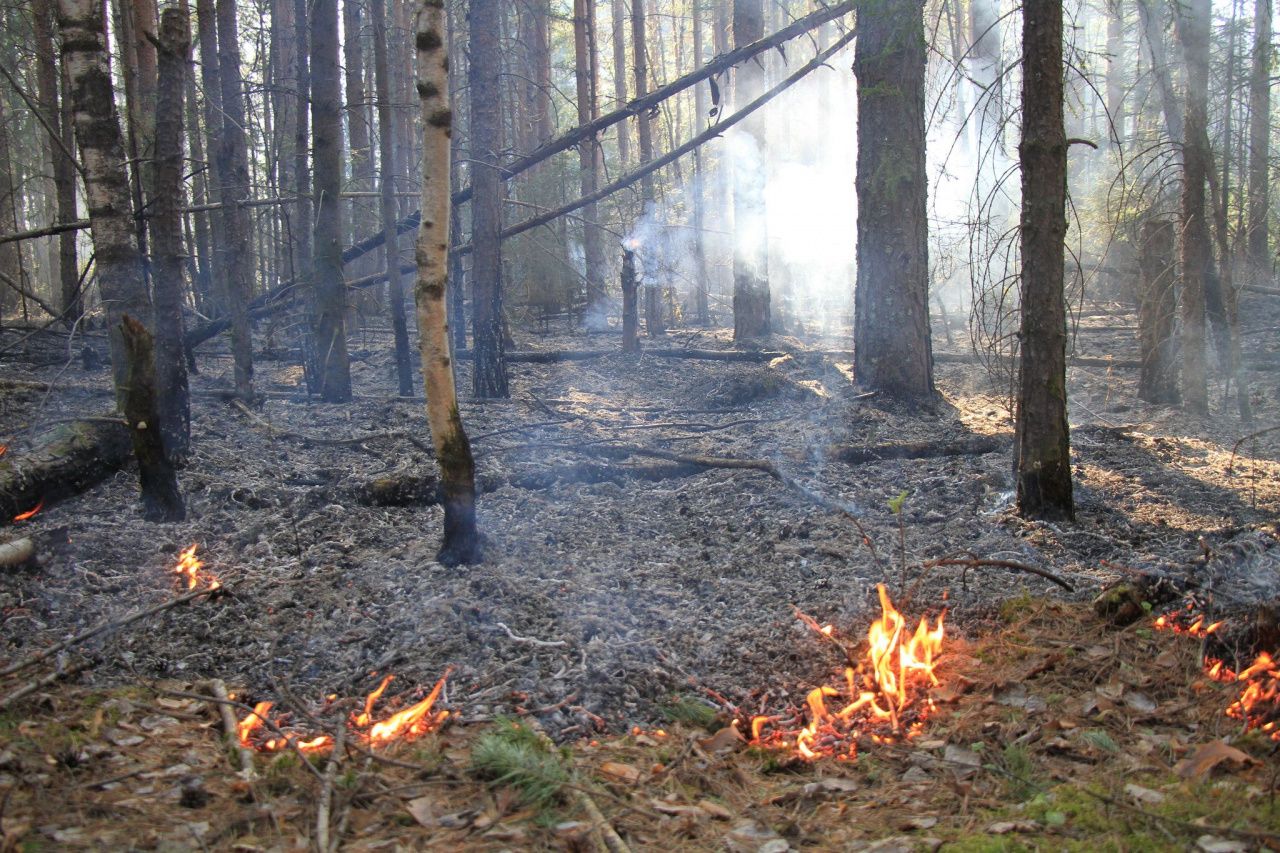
4	448
189	568
23	516
406	725
883	696
1258	705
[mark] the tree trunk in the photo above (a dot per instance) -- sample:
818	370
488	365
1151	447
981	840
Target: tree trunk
701	310
303	220
1153	31
1117	69
630	341
1042	450
166	230
234	158
207	21
10	252
489	378
1194	249
653	291
386	162
589	153
461	542
751	314
161	500
1260	145
620	79
62	168
330	289
893	351
1157	307
119	265
360	155
203	279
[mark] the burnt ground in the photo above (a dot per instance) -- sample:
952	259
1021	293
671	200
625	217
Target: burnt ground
611	585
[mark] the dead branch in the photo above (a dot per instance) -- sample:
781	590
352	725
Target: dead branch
1235	448
601	828
532	641
32	686
326	792
110	625
17	553
219	691
974	445
974	562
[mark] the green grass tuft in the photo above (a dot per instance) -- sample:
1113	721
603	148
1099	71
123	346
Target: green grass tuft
518	756
691	712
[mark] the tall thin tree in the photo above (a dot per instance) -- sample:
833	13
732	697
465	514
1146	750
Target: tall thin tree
1260	143
752	318
1194	238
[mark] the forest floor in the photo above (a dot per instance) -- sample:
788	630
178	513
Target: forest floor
628	601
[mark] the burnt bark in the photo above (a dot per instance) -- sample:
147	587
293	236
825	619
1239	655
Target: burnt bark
1194	232
64	462
1042	450
161	500
751	311
333	364
892	345
173	395
489	378
630	320
590	156
1157	307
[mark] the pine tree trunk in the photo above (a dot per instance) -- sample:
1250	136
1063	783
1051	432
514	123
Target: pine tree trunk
1157	308
630	340
211	89
752	318
11	252
119	265
461	544
161	500
1153	32
173	401
701	309
489	378
892	347
234	159
360	155
387	183
203	281
1194	248
589	153
653	323
1117	69
620	80
61	166
1042	451
1260	144
330	287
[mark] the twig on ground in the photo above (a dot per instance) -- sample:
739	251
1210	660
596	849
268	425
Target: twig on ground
533	641
32	686
219	691
326	793
972	562
600	826
31	660
1235	448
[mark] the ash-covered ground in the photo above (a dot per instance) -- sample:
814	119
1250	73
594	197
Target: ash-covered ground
612	584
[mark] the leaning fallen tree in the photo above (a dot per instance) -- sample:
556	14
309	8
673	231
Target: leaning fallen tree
67	460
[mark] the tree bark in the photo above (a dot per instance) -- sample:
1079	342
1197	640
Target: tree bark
173	398
68	460
751	313
11	265
489	378
234	159
461	544
386	185
120	278
161	500
1260	145
630	341
1117	69
1194	248
893	350
360	153
589	154
653	320
1153	31
1042	450
330	290
61	166
620	78
701	309
1157	307
207	21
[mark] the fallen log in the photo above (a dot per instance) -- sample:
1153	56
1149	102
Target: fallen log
69	459
973	445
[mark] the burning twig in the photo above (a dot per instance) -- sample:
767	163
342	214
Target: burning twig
532	641
229	726
111	625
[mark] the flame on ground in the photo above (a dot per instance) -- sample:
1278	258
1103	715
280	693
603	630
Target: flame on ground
190	569
1258	705
406	725
884	696
23	516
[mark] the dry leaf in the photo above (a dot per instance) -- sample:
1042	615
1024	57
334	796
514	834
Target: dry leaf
1006	826
725	740
715	810
622	772
677	809
1144	795
1140	702
1208	756
1214	844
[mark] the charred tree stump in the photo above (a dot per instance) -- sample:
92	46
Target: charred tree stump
71	458
161	500
630	320
1158	381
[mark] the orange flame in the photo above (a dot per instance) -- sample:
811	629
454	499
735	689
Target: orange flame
23	516
405	725
4	448
880	694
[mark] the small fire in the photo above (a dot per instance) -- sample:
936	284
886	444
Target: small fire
189	568
23	516
4	448
882	695
1258	705
406	725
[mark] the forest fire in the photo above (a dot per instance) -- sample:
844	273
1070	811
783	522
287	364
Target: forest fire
403	726
189	568
23	516
1258	705
884	694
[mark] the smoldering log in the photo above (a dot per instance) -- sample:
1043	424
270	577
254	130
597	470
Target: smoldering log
69	459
